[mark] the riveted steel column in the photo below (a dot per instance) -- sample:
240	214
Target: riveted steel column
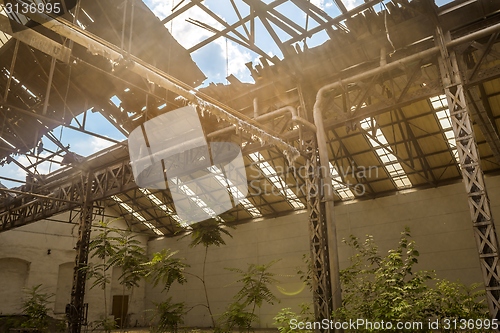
76	310
470	165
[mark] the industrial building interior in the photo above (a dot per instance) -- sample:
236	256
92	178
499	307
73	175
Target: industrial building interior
351	117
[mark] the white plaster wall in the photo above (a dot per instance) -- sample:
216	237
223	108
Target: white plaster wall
31	243
439	220
55	270
284	239
13	274
438	217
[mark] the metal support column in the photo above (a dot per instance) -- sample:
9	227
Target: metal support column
482	219
320	262
76	309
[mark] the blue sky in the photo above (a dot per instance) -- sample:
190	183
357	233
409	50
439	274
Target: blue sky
216	60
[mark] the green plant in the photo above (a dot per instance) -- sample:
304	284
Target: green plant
306	275
115	248
390	289
456	300
103	247
35	307
169	316
165	269
236	316
104	324
286	316
130	256
207	233
255	291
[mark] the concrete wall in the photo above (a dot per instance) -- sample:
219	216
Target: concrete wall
25	261
439	220
284	239
440	224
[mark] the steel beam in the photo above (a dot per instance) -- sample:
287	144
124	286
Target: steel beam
153	75
35	39
76	310
470	165
318	235
482	118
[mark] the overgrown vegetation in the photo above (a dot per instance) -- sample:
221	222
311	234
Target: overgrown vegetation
209	233
165	269
390	288
36	308
169	316
101	247
306	314
286	316
114	248
256	280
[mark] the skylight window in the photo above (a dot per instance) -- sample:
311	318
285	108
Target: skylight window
167	210
196	199
235	192
137	215
390	162
7	142
440	105
26	89
339	187
276	180
89	17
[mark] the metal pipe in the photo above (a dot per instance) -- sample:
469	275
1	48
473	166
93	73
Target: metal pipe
30	194
255	108
270	115
322	139
383	56
153	75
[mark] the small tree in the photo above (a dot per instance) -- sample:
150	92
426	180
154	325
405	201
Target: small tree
169	316
165	269
207	233
35	306
389	288
130	256
115	248
103	247
255	291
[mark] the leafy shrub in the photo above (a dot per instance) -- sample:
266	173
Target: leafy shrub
389	288
255	291
286	316
35	307
169	316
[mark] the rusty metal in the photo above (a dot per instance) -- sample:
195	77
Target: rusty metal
472	174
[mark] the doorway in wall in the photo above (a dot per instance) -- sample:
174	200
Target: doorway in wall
120	310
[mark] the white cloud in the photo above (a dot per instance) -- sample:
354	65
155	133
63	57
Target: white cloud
237	57
185	33
98	144
189	35
350	4
319	3
13	171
